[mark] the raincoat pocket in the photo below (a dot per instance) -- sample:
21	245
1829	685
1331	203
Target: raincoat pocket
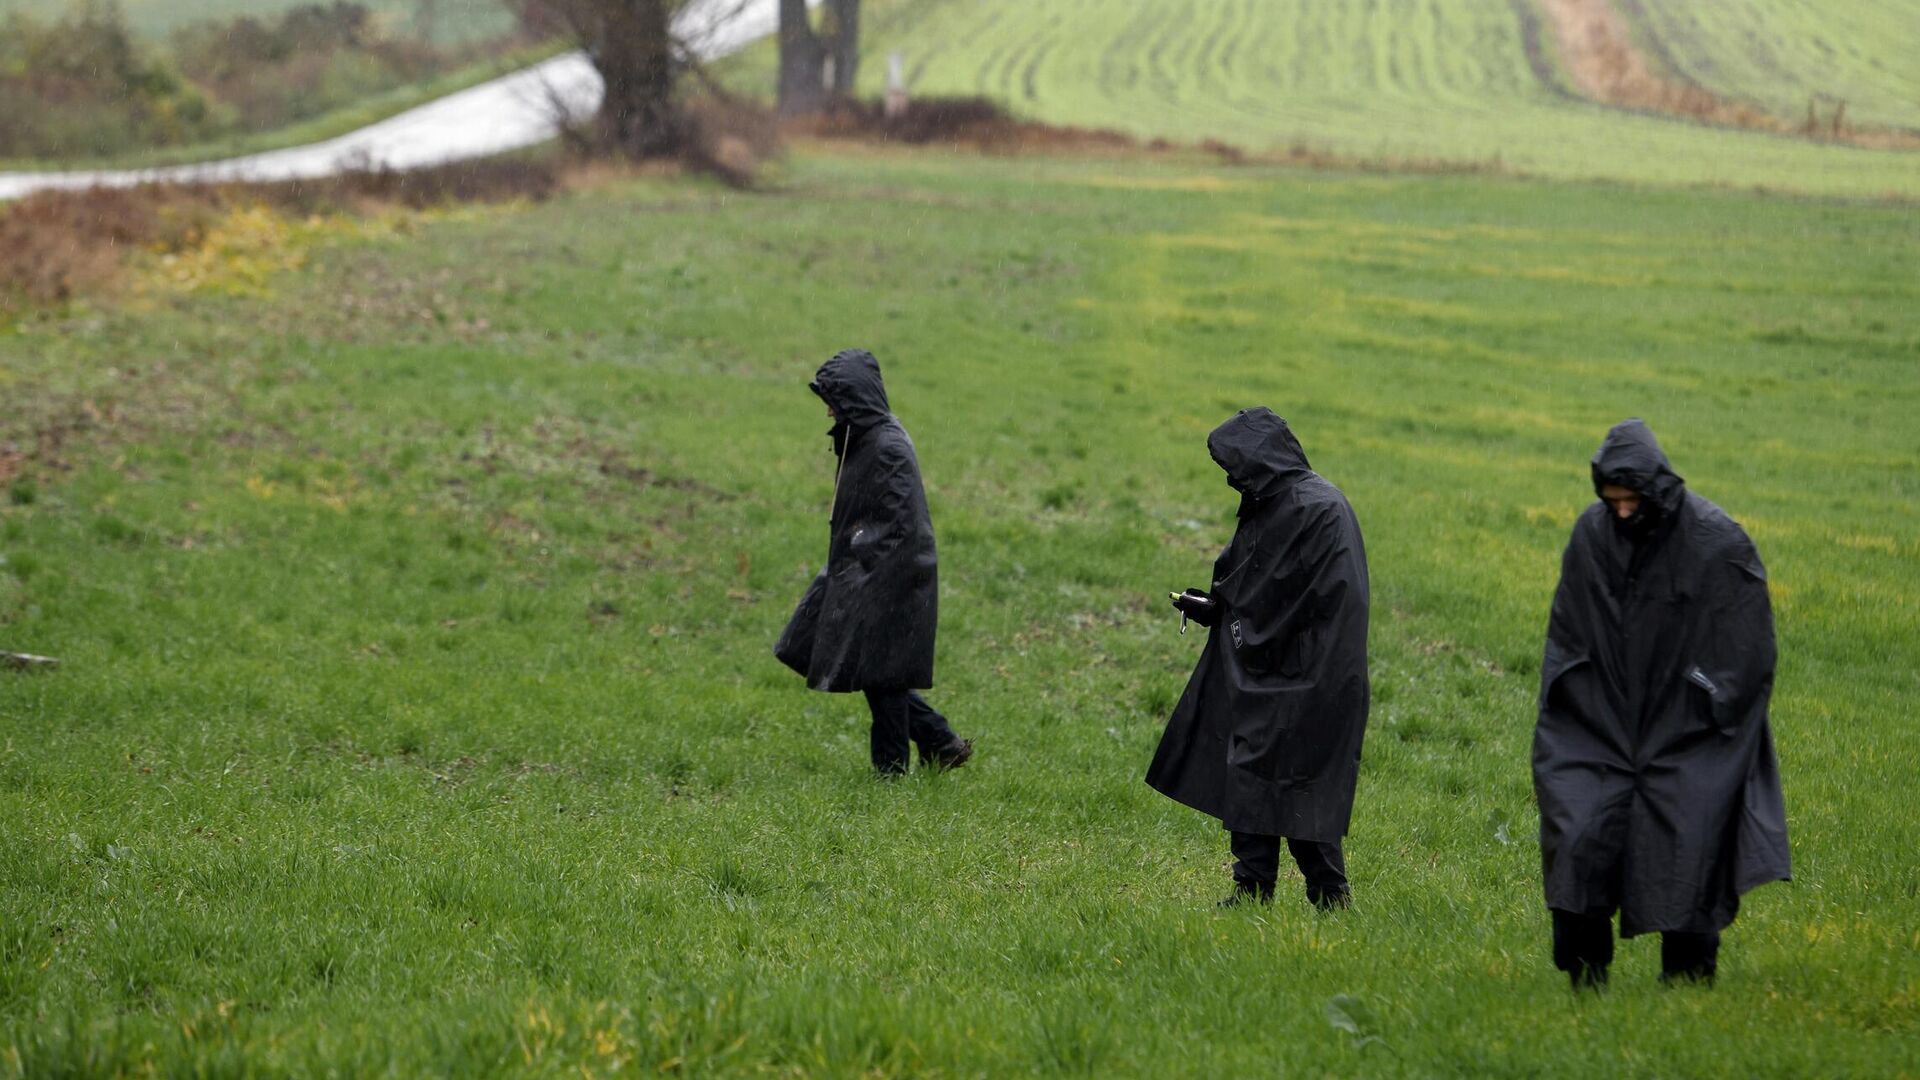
1712	698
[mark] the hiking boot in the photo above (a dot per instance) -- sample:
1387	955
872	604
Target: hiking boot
951	756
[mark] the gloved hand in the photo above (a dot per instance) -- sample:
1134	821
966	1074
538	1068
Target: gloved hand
1198	606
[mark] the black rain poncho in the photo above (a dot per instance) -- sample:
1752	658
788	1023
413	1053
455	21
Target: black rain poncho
1267	735
867	622
1652	759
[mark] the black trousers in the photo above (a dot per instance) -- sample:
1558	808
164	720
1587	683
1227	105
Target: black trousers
1583	947
900	716
1257	863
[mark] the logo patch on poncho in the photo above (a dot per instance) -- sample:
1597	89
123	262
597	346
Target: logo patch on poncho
1235	628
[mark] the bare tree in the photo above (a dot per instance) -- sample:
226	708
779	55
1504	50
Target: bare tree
638	50
817	66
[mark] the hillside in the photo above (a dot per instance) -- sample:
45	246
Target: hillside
1781	53
454	22
418	714
1457	80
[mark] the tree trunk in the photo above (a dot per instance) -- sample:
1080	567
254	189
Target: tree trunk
842	34
638	117
802	57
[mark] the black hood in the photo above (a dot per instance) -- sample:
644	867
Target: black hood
1259	453
850	382
1632	458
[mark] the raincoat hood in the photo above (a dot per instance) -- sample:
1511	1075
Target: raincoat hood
1631	457
850	382
1259	453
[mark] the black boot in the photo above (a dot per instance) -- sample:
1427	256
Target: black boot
951	756
1335	898
1583	947
1688	958
1248	891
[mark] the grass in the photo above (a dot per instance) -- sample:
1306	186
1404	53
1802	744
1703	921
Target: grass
456	22
370	110
418	715
1466	81
1780	53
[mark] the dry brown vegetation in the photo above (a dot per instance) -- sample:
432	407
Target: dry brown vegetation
1600	56
61	244
973	122
982	125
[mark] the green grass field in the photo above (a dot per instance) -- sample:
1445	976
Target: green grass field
418	716
1452	80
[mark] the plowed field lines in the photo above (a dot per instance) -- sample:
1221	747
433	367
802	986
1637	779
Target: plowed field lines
1438	80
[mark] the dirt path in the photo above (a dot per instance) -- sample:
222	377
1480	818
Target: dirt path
1599	56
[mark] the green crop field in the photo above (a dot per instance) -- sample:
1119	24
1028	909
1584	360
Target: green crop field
417	714
1778	53
1454	80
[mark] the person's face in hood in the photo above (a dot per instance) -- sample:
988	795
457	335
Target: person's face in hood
1632	476
1623	501
1629	513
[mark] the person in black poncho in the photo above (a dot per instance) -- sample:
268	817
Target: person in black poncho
1267	735
1652	759
867	622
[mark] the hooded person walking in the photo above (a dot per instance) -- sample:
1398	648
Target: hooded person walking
1267	735
1652	759
867	622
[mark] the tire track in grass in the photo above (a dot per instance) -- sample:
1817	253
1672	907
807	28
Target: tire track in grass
1255	40
1278	89
1273	34
1000	79
983	72
1201	62
1039	46
1235	37
1364	43
1122	73
1053	61
1533	38
1277	98
1159	79
1185	44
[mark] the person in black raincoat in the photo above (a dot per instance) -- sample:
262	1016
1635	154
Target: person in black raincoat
1267	735
1652	758
867	622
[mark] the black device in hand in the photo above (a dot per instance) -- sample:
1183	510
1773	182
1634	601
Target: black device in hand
1193	604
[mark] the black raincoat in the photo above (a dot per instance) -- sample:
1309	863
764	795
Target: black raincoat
867	622
1267	735
1652	759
